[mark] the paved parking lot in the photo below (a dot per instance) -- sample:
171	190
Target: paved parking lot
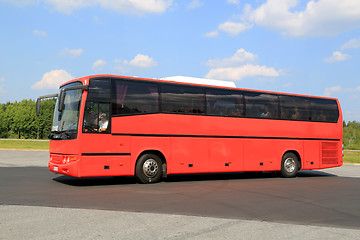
31	216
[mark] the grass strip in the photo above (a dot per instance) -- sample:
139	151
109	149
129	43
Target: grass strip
351	157
21	145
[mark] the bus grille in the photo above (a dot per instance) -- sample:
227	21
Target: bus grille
329	153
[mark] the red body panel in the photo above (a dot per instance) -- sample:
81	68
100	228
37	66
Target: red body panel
197	144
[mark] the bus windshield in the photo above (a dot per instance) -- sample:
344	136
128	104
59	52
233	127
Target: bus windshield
65	123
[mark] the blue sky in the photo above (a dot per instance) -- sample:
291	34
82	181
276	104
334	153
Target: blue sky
305	47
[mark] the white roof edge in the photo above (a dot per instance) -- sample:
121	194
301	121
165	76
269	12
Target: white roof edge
203	81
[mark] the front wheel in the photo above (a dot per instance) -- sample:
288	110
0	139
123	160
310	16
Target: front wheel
148	168
289	165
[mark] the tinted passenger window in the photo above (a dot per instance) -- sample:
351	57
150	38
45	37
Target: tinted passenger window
292	107
135	97
224	103
324	110
261	105
99	90
181	99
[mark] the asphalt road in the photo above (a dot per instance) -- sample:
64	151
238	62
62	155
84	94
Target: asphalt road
315	199
321	204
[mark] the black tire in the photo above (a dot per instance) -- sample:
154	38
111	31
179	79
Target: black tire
289	165
148	168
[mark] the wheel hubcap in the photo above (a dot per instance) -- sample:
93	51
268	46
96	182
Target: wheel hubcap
150	168
289	165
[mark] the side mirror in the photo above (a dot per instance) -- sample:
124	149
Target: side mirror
61	105
38	101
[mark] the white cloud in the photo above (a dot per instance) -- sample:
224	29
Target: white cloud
2	79
336	90
121	6
136	6
329	91
351	44
238	67
119	66
239	73
73	52
141	61
195	4
39	33
52	80
212	34
241	56
236	2
337	57
99	64
320	18
231	28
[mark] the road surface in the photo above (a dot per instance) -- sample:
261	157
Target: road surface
36	203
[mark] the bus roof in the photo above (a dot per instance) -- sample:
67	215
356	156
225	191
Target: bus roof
202	81
189	80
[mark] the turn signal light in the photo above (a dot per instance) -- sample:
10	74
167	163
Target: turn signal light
68	159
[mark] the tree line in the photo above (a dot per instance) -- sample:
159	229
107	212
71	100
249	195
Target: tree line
351	135
19	120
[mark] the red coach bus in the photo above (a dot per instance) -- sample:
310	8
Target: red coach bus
106	125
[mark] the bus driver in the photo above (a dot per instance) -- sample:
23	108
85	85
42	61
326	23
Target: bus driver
103	123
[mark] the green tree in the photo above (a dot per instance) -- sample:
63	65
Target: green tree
45	119
351	135
19	120
3	128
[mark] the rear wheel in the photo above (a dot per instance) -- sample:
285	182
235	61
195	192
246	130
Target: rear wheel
289	165
148	168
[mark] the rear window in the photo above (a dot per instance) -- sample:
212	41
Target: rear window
324	110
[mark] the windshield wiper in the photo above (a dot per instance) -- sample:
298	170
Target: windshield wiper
67	135
63	135
54	135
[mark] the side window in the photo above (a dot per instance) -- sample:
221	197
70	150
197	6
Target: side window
97	107
224	103
324	110
96	117
135	97
182	99
261	105
99	90
293	107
